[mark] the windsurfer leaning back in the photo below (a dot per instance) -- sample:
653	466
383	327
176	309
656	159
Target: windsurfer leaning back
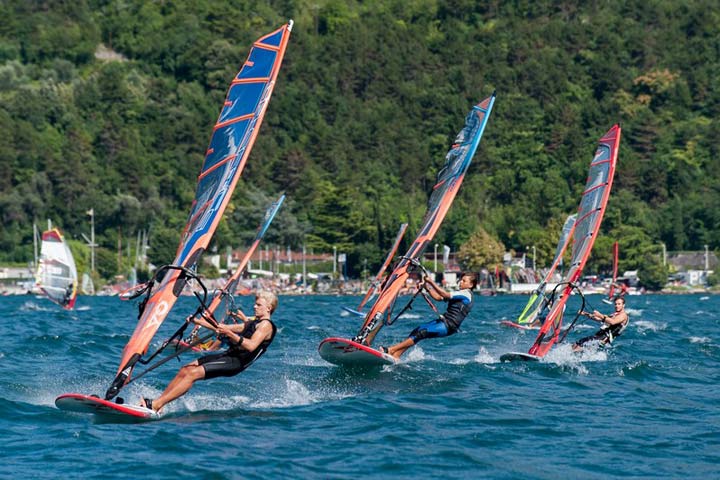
459	306
248	340
612	325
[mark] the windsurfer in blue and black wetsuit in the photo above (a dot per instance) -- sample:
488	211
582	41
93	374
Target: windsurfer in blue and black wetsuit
248	340
459	305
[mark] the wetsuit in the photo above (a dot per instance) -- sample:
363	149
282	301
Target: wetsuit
236	359
459	306
606	334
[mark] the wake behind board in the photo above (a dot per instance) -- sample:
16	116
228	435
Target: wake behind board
78	402
520	326
519	356
346	353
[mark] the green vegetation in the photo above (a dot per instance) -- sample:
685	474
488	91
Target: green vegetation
108	105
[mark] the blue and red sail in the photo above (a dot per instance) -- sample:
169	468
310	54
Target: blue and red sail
232	139
448	183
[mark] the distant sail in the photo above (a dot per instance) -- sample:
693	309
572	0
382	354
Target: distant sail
589	217
230	144
616	253
87	287
535	304
231	286
377	281
56	275
449	179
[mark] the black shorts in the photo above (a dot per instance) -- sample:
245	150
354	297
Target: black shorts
223	364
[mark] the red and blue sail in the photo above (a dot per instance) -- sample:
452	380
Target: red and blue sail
232	139
231	286
587	225
448	183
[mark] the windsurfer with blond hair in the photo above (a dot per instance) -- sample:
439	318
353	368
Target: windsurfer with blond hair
248	340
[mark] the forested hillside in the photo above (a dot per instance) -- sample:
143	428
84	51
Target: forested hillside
109	105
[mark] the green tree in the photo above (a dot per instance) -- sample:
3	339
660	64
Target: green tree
652	273
480	251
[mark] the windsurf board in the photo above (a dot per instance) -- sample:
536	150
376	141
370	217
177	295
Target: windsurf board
344	352
78	402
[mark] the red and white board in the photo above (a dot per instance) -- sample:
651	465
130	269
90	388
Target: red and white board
520	326
78	402
344	352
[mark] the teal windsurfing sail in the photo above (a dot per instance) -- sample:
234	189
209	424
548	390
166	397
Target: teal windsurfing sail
537	300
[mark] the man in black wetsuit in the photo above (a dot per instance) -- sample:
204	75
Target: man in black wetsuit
248	340
459	306
612	325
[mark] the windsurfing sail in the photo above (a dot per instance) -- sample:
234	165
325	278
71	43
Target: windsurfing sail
537	299
589	217
616	252
87	286
230	144
449	179
56	274
377	281
226	294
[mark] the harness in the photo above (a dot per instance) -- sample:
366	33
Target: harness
248	331
613	331
457	311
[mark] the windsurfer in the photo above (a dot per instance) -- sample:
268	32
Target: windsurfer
612	325
459	306
622	286
248	341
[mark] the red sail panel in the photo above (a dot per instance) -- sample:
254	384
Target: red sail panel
589	217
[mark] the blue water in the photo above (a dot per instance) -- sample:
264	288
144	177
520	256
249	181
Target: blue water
647	408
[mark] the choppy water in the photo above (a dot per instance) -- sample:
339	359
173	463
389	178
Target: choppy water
647	408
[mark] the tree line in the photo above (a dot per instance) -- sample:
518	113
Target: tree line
109	104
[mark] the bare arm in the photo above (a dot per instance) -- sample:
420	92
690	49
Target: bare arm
262	333
607	319
617	319
202	322
435	291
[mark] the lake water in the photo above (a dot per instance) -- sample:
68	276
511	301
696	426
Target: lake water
646	408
